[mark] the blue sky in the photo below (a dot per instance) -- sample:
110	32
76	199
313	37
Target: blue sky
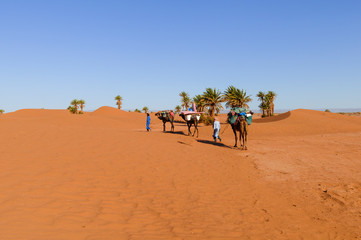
308	52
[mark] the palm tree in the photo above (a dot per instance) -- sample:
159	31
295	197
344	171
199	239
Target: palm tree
236	98
185	100
272	96
81	102
198	100
2	111
212	99
119	101
75	103
267	105
263	106
145	109
178	109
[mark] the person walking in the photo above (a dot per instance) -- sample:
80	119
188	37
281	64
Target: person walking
216	128
148	122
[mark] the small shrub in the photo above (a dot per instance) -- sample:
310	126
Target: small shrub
72	109
327	110
206	119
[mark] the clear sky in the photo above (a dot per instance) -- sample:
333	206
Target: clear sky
307	51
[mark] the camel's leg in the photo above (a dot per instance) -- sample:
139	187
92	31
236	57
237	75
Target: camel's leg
172	126
243	146
235	135
245	136
163	126
241	138
241	134
189	128
196	127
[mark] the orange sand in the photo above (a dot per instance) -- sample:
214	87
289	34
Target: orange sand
102	176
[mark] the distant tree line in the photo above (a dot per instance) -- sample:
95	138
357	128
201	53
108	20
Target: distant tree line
211	101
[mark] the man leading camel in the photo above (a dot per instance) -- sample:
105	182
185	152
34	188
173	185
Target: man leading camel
216	129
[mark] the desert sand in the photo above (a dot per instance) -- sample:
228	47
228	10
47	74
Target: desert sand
100	175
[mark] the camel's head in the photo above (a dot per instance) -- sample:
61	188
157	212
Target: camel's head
162	114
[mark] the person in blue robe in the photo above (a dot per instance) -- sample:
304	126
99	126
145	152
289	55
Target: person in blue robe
148	122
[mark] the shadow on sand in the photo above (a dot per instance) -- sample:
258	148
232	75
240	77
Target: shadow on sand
219	144
175	132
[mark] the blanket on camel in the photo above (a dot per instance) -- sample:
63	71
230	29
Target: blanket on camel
238	112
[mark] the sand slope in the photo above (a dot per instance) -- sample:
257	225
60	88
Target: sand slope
307	122
100	175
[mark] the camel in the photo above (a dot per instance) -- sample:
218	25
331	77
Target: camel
240	125
165	116
191	119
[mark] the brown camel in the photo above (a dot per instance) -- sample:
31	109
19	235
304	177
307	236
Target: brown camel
191	119
239	125
166	116
242	127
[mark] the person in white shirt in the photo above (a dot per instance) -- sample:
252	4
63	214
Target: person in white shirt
216	128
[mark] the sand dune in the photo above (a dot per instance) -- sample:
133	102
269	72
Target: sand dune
29	113
100	175
109	111
306	122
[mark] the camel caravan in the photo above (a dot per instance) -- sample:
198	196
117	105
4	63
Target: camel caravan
191	117
239	117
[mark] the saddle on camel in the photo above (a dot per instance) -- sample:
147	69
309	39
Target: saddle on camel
166	116
191	118
240	118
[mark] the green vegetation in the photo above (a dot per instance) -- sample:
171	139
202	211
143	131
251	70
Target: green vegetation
145	109
212	99
2	111
119	101
81	103
137	110
236	98
178	109
73	108
267	103
185	100
199	101
206	119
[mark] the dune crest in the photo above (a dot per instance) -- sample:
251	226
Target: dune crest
37	112
106	110
306	122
